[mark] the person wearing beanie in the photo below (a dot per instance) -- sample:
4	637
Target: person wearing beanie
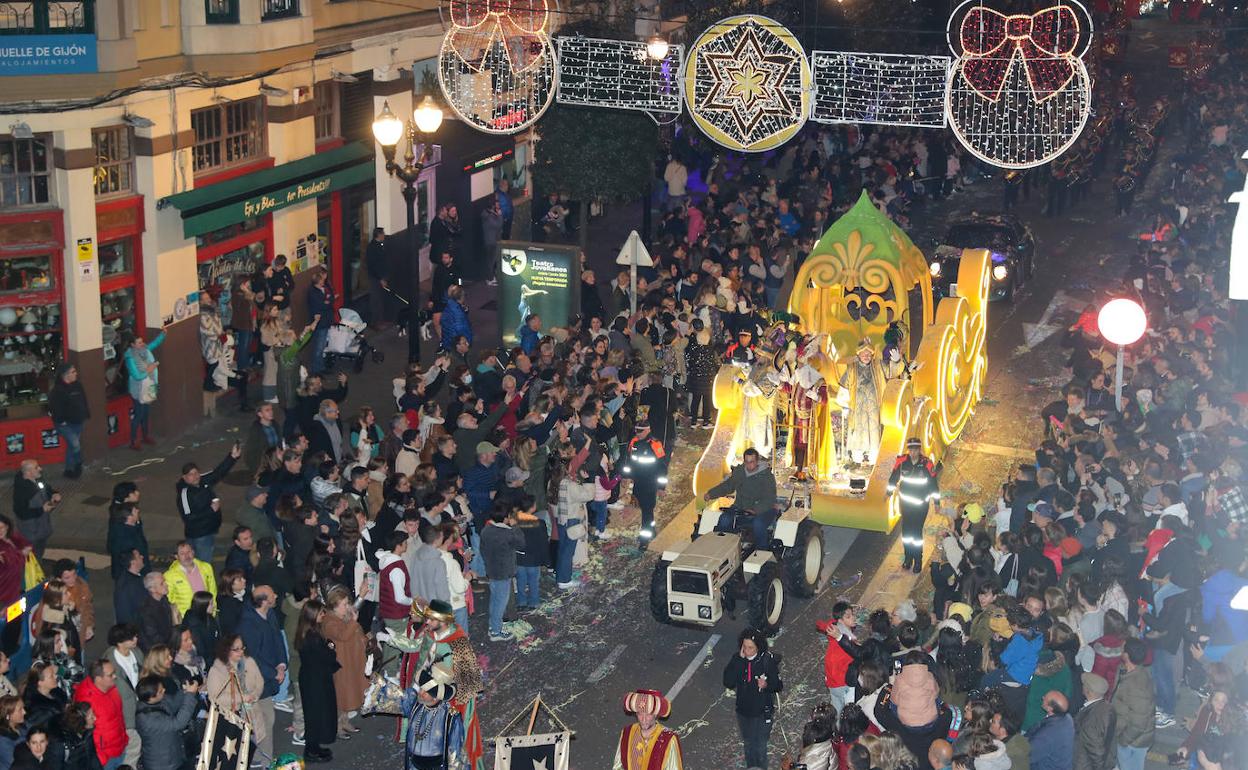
251	514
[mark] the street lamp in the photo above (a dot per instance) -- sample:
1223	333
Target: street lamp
1122	322
657	47
388	130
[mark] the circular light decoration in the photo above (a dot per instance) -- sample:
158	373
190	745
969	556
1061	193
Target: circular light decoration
1122	321
748	83
1018	93
497	66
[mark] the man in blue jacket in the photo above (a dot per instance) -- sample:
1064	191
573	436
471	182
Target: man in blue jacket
455	318
258	627
1227	627
530	333
1053	740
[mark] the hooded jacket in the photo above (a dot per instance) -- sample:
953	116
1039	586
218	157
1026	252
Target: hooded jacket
427	572
1051	674
996	759
754	491
1020	656
160	728
1226	625
1134	707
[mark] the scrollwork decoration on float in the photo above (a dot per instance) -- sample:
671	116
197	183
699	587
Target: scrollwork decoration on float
748	83
1018	93
497	66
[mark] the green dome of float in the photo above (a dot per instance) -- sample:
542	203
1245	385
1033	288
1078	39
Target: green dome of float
860	277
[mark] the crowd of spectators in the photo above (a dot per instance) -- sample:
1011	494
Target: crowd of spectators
1084	617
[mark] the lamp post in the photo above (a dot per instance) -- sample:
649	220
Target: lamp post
1122	322
388	130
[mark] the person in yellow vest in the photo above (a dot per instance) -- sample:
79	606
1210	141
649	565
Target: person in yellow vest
186	576
645	745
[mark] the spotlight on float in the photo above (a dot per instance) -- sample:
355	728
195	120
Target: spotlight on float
657	47
1121	321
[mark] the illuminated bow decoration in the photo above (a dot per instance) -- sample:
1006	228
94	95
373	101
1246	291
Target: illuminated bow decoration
1045	41
518	26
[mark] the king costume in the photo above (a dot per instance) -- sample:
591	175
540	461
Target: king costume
443	651
652	748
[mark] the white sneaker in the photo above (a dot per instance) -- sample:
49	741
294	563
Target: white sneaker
297	739
271	400
283	705
569	586
491	282
615	506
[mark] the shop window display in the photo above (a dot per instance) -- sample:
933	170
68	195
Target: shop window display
26	274
30	348
116	258
118	312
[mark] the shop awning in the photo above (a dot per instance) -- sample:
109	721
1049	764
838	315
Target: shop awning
209	208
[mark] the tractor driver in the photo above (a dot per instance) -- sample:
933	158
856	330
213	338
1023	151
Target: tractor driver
754	487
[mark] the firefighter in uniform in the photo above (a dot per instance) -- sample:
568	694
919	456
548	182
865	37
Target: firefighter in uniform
647	467
914	481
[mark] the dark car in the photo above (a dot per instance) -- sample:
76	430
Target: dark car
1007	239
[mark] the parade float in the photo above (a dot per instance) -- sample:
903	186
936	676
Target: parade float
865	284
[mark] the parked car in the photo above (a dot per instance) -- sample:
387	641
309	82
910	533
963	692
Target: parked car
1008	240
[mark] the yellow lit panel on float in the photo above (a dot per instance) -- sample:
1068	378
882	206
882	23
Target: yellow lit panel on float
864	273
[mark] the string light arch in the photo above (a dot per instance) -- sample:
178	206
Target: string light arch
748	83
1018	94
497	67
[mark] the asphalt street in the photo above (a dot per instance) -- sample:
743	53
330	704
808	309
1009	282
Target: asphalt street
584	649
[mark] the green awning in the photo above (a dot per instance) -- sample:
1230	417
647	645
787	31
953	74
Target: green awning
209	208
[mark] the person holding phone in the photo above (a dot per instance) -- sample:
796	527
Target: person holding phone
198	504
754	674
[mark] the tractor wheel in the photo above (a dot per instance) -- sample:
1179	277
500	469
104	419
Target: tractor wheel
766	597
803	561
658	592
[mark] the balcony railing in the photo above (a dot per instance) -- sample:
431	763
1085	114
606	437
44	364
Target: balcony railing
221	11
278	9
47	17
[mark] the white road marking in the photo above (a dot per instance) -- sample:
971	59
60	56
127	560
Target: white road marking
693	666
607	664
1034	334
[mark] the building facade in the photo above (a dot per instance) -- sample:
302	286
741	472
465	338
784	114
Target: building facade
150	149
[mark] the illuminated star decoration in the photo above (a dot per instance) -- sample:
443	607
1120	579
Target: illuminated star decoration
747	83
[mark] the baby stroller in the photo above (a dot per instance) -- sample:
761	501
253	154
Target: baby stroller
346	341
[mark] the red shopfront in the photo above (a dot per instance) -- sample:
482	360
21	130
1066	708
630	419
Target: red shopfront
119	226
32	340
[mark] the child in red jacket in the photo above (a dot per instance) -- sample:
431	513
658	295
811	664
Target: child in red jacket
836	660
